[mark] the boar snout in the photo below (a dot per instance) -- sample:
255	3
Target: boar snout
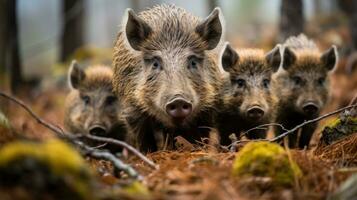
255	112
97	130
179	108
310	108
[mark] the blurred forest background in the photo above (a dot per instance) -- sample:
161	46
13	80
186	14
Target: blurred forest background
38	38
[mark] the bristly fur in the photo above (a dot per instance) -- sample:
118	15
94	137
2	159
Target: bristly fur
300	42
252	60
305	80
252	67
175	33
306	51
173	38
97	77
80	116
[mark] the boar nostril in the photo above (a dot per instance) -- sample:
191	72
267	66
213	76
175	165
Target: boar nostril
179	108
97	130
255	112
310	108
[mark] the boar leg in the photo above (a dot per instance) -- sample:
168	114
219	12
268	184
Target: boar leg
306	134
143	133
224	133
292	137
257	134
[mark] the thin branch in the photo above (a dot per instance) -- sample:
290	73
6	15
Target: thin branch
353	101
55	129
117	163
263	126
124	145
311	121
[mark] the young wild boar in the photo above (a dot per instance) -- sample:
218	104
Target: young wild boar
247	100
166	74
302	86
91	106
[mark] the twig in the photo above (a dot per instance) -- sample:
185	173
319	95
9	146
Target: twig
124	145
118	164
263	126
353	101
48	125
311	121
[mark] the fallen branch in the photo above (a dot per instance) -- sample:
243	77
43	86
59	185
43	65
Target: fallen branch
48	125
263	127
118	164
124	145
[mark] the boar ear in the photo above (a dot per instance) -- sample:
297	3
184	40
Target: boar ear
136	30
75	75
229	58
329	58
273	58
289	58
211	29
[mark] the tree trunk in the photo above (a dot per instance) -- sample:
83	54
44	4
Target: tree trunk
349	7
9	44
3	33
292	18
73	27
353	24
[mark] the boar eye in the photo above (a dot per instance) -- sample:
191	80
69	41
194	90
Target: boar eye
110	100
85	99
297	80
266	83
321	80
193	62
156	64
239	82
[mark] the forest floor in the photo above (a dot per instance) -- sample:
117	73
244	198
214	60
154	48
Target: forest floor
206	172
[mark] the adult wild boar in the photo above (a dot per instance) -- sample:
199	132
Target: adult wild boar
166	74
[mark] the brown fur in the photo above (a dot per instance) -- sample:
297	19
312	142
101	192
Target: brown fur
81	117
146	91
305	80
252	67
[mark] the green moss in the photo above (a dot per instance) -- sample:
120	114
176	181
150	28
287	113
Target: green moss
136	188
59	159
338	129
265	159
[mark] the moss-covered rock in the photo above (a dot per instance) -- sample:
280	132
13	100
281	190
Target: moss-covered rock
49	168
265	159
338	129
